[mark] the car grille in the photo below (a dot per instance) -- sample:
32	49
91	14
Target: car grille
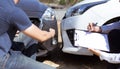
70	34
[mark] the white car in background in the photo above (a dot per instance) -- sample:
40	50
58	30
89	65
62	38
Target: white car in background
79	15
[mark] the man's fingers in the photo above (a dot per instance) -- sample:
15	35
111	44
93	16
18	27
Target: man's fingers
90	27
96	52
52	32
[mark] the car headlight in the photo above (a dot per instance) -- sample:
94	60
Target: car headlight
85	7
49	14
80	9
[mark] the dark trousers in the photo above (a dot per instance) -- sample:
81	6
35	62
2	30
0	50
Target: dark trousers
114	42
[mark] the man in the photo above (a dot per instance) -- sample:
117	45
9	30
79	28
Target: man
12	16
113	31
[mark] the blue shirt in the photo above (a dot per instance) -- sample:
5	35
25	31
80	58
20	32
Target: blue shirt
10	15
107	28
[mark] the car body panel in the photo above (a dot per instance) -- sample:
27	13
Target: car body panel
100	14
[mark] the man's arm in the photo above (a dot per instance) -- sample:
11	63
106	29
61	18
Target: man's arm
40	35
103	29
109	57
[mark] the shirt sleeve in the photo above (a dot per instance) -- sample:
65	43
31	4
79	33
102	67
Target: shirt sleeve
110	57
20	19
109	27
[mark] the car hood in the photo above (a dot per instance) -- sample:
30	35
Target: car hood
82	6
33	8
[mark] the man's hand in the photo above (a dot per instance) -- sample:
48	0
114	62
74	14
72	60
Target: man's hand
52	32
96	52
93	28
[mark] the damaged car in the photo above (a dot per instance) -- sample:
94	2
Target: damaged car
79	15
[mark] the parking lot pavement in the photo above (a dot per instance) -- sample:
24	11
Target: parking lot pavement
62	60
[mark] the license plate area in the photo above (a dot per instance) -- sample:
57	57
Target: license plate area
91	40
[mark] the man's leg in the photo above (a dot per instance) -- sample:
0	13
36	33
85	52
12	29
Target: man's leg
29	43
19	61
25	39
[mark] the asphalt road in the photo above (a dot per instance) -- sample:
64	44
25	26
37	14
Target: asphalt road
62	60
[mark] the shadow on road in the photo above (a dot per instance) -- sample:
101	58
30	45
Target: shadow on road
70	61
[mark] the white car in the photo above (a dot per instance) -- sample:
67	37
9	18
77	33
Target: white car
79	15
